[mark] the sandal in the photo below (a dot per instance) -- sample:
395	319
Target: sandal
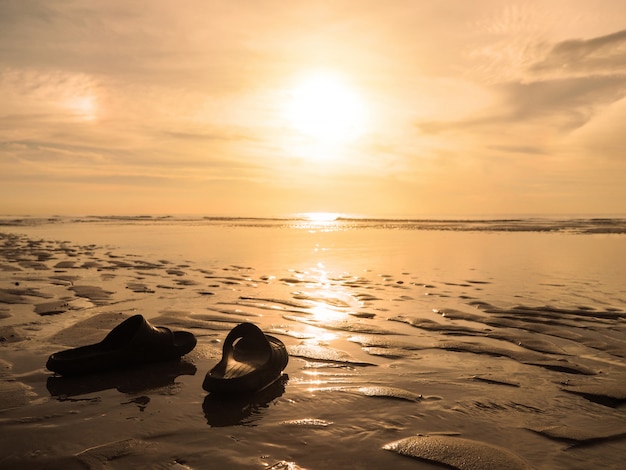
251	361
134	341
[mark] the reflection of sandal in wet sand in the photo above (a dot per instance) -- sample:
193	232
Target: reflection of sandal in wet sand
130	381
250	362
134	341
241	408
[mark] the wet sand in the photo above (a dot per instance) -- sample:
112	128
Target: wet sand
406	367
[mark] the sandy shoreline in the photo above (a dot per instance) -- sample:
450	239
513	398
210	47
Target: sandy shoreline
377	357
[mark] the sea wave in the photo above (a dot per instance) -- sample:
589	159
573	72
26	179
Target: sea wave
578	225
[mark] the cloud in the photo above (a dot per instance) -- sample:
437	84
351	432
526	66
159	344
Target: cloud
583	57
571	100
561	92
602	138
524	149
200	46
33	91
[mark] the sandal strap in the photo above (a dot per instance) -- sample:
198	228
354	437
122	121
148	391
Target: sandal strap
249	332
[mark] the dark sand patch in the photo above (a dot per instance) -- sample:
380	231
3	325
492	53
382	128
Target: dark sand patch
12	392
139	288
582	436
527	341
52	308
8	334
175	272
562	365
521	356
389	353
362	297
92	265
121	264
485	405
19	295
495	381
62	306
63	279
547	311
36	265
525	357
65	264
368	315
94	293
9	268
612	394
161	286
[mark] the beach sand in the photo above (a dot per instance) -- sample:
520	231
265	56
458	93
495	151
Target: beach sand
402	358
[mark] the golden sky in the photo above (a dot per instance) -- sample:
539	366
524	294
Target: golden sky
260	108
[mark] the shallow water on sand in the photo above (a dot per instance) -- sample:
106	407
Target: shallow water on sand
502	343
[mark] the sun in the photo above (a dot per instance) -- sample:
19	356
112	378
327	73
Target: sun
324	106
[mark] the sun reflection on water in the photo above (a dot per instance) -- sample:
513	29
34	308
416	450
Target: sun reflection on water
330	304
325	315
321	217
320	221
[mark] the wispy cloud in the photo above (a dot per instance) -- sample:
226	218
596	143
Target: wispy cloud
603	55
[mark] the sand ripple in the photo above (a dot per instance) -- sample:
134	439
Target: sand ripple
456	452
324	353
